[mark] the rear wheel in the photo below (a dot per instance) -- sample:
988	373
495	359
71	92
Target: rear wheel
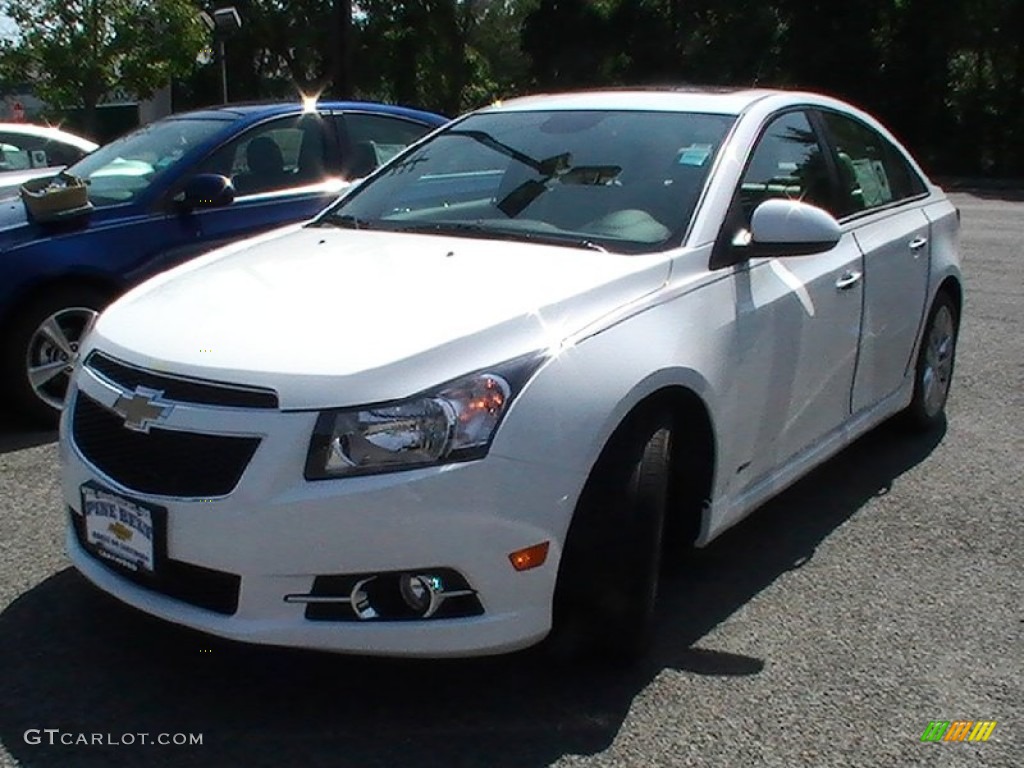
41	348
608	578
933	374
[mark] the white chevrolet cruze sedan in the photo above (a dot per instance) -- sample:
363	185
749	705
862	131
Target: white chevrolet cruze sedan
480	400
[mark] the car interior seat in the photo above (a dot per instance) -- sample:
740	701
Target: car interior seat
265	167
362	160
849	182
674	187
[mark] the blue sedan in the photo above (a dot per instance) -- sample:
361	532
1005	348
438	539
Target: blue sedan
164	194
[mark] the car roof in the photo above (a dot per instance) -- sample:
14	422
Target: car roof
252	111
674	98
49	132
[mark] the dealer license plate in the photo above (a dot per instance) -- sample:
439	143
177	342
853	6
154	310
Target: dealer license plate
119	529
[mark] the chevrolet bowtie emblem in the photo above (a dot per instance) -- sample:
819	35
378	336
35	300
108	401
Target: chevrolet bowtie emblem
122	531
140	408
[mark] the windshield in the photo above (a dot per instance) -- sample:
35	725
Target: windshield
621	181
120	171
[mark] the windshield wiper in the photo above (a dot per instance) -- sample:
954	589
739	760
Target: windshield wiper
547	167
342	221
467	229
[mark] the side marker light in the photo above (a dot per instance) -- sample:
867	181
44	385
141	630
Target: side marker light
531	557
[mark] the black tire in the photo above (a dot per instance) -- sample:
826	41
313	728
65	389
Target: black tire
22	346
608	577
933	371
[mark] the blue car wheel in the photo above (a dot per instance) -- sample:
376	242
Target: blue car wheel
42	347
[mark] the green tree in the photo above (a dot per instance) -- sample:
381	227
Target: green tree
429	52
288	39
75	51
570	43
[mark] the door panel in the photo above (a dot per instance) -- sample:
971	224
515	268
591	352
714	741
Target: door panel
798	318
803	329
896	258
874	177
246	217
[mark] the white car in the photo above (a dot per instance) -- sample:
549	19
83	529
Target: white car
30	151
477	401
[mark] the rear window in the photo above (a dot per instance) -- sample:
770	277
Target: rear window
872	172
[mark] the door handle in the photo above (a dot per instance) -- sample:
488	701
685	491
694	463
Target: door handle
918	243
848	280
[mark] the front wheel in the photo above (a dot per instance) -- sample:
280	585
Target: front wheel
41	348
608	578
933	374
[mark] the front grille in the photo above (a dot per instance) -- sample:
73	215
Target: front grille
207	588
181	389
163	462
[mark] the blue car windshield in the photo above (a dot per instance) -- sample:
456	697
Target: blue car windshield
120	171
624	181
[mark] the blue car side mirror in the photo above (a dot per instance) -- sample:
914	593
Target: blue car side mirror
207	190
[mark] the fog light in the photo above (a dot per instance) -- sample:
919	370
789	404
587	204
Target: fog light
420	593
360	600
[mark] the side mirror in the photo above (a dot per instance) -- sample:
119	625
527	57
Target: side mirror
791	228
207	190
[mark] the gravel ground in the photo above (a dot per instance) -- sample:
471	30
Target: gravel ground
880	593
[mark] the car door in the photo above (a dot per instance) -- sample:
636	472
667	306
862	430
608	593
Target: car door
878	204
285	170
797	317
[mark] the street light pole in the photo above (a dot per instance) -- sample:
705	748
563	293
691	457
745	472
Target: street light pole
222	22
223	70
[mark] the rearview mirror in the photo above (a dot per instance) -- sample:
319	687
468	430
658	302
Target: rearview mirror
207	190
791	228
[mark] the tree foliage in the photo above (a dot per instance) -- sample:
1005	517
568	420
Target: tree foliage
75	51
946	75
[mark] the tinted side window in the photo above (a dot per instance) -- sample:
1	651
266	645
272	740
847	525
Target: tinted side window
18	152
58	153
275	155
13	157
788	162
872	171
375	139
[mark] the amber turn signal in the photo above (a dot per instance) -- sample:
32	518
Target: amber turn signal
531	557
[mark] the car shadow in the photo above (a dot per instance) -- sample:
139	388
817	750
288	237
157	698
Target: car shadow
14	435
76	660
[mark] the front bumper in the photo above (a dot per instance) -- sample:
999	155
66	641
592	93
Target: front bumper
277	533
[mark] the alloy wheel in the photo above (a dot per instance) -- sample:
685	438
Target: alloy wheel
53	350
938	361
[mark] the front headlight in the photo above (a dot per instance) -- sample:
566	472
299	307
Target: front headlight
455	422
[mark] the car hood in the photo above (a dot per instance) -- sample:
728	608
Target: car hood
331	318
